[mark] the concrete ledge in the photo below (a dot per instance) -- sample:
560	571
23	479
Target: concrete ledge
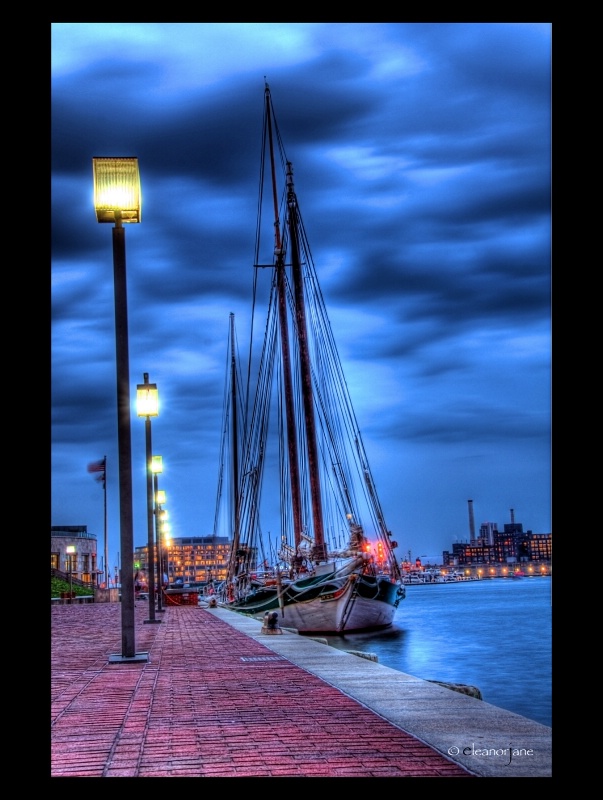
362	654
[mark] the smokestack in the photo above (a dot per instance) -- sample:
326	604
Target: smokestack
512	517
471	523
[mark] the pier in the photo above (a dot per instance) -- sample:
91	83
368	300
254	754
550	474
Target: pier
219	698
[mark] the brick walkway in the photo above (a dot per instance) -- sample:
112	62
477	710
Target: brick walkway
210	702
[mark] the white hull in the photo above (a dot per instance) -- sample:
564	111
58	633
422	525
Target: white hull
342	611
332	616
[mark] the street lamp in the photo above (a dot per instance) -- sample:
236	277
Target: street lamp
70	550
157	469
164	530
147	406
166	537
117	200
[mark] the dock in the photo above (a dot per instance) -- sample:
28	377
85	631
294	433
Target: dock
220	698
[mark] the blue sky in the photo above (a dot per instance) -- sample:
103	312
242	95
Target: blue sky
422	156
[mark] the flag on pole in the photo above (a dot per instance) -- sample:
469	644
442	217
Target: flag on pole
100	467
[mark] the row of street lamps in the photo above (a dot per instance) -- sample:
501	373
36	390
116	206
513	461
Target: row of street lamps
147	406
117	200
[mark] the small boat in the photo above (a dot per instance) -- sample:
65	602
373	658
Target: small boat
414	579
331	566
184	595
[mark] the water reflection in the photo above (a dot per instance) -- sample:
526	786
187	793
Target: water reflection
493	634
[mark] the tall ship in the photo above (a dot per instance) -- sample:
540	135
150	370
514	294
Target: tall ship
309	536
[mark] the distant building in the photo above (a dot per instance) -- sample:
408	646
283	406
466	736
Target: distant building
82	563
191	558
486	532
511	545
508	546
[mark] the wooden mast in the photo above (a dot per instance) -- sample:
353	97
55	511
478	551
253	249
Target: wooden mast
232	568
285	351
319	552
235	431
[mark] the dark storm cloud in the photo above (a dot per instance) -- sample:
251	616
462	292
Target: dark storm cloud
421	156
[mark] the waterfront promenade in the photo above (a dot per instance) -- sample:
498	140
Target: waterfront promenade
218	698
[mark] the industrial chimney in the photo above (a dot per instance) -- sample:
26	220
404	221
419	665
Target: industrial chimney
471	523
512	516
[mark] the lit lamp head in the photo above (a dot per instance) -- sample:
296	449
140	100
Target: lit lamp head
117	195
166	529
147	398
160	500
157	465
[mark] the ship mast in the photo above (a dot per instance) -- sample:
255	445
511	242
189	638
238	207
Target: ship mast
319	549
319	552
232	568
279	252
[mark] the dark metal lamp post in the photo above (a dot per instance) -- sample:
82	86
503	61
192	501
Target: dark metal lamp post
157	469
117	200
165	538
70	550
147	406
163	533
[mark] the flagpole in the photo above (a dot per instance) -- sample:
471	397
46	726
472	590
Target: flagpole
105	509
101	468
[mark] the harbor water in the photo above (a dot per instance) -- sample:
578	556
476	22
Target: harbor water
495	634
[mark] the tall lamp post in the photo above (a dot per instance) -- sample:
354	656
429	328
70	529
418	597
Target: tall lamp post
70	550
166	539
157	469
164	530
117	200
147	406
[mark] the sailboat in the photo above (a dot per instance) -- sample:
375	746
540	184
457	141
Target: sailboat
331	566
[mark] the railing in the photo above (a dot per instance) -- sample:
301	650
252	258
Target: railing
66	599
57	573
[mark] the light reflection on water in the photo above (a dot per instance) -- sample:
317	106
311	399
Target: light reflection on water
493	634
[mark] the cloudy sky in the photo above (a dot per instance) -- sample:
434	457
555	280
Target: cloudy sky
422	157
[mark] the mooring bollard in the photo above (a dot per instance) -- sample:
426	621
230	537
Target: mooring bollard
270	624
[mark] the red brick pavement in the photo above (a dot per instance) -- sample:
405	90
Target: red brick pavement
210	702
